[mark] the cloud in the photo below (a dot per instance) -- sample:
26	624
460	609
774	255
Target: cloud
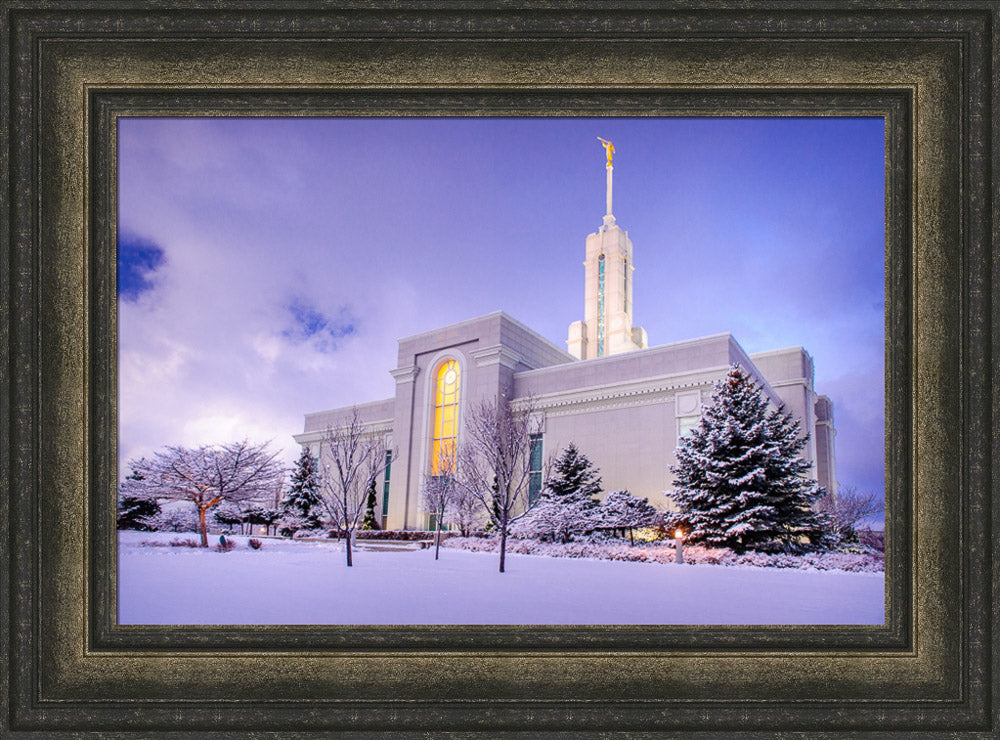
322	330
138	260
288	256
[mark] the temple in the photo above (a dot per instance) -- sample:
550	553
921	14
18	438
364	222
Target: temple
624	404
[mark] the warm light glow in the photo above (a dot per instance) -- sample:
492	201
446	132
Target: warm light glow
678	533
445	426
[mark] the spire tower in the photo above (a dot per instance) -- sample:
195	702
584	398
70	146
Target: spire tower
607	307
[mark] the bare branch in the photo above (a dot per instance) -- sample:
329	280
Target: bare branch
494	461
351	458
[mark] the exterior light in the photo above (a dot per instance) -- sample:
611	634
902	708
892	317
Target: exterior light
678	545
678	534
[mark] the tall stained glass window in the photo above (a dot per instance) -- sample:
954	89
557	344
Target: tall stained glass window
445	429
600	306
385	485
535	467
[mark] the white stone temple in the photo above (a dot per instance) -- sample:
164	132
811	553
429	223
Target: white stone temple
623	404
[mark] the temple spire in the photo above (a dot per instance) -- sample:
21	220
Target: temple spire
607	327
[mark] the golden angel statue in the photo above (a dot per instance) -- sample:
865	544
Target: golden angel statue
608	147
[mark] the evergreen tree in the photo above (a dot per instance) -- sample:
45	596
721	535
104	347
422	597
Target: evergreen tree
302	500
573	476
739	478
622	510
567	501
370	522
134	505
494	512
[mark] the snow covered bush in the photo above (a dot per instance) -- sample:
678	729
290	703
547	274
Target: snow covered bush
301	534
255	544
406	535
622	510
555	519
664	553
740	480
872	539
228	516
184	543
289	525
649	534
848	507
172	520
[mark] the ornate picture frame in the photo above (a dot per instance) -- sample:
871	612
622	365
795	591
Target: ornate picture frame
70	68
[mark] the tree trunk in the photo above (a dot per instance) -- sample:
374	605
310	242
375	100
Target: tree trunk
631	539
203	528
437	537
347	544
503	544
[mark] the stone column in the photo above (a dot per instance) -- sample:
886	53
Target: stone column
609	189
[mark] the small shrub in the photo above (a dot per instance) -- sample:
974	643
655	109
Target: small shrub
184	543
255	544
404	535
650	534
872	538
663	552
171	520
225	545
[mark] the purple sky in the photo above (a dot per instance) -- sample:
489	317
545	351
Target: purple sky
268	266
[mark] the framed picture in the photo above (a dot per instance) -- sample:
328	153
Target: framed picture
269	267
76	72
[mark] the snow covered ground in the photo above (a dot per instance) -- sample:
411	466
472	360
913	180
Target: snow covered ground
289	582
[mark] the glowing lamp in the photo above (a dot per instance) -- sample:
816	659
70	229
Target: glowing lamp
678	545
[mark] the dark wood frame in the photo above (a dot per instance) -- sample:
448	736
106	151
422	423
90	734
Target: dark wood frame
70	68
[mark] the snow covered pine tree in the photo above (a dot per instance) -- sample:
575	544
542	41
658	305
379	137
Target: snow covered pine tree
739	479
370	521
568	498
134	505
301	506
622	510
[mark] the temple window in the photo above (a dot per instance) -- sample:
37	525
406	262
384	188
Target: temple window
445	426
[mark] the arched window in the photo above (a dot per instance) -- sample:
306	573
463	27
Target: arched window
445	429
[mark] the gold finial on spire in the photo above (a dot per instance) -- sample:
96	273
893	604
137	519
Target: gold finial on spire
608	147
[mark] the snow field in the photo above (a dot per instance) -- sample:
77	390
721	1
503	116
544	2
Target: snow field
290	582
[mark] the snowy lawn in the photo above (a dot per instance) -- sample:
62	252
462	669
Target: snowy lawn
289	582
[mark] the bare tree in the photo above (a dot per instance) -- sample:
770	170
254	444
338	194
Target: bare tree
464	510
849	506
351	459
494	461
439	490
208	475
